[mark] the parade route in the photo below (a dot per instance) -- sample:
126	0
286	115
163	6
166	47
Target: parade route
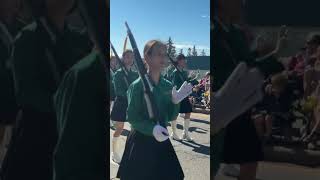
194	157
280	171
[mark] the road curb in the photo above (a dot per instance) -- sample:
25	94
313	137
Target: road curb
297	156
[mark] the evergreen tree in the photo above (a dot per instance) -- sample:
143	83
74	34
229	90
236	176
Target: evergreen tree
203	53
181	51
171	48
189	52
194	51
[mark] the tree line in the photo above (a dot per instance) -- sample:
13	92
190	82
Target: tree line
190	52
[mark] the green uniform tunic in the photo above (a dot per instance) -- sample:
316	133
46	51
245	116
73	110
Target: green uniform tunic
144	156
8	105
33	72
169	72
80	104
178	78
120	84
137	114
36	76
223	65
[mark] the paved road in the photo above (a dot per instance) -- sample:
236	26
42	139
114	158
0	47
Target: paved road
281	171
194	157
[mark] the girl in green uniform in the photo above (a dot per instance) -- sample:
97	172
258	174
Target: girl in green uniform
8	107
121	82
80	102
148	153
113	69
179	76
232	48
44	50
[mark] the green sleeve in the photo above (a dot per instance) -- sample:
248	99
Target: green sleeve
80	150
29	91
133	75
119	84
136	76
136	112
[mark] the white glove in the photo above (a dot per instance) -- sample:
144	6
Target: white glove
192	74
184	91
160	133
242	90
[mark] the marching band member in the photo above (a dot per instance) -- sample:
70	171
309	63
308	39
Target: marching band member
148	146
121	82
179	77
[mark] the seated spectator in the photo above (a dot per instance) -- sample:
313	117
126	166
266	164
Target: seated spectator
275	107
312	76
296	65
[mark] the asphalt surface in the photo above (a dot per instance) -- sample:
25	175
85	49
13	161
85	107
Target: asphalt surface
194	157
280	171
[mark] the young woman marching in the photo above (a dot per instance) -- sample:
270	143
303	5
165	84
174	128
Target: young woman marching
148	153
113	69
178	78
44	51
121	82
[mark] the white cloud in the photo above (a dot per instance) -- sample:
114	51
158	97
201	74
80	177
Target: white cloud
186	46
205	16
190	45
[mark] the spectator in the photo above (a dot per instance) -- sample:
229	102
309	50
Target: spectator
312	76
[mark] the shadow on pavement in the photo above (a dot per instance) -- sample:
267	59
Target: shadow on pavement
199	148
200	121
193	129
198	130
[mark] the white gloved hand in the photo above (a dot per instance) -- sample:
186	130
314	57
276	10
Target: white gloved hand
242	90
160	133
192	74
184	91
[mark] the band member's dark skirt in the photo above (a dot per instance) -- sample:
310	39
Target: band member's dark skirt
241	143
112	97
8	105
30	151
8	112
112	94
185	106
145	158
8	117
119	110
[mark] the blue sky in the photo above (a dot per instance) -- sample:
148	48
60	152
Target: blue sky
186	21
